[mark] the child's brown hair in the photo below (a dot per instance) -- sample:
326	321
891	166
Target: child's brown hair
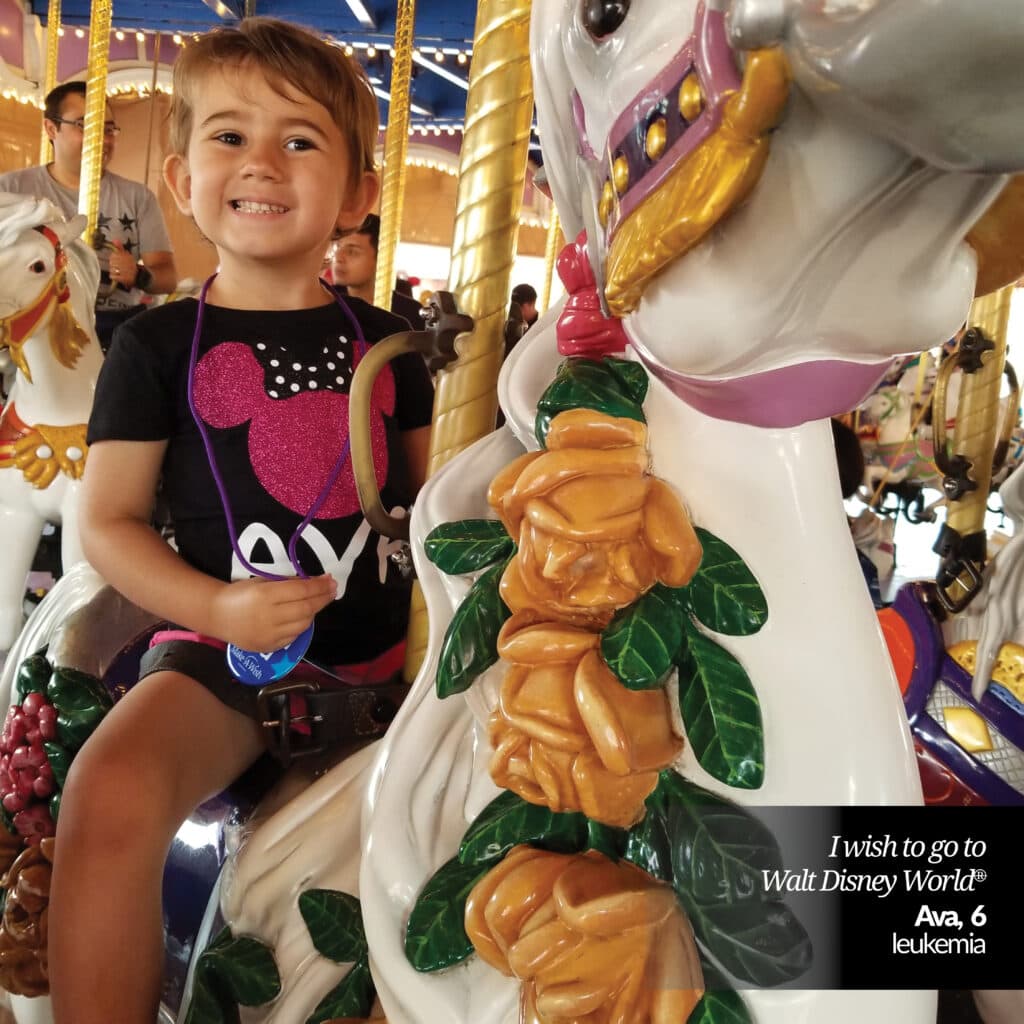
287	55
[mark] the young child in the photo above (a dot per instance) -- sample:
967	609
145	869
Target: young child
238	403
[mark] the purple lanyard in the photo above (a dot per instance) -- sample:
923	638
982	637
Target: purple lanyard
332	477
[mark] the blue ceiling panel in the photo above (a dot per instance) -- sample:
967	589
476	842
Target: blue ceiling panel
447	25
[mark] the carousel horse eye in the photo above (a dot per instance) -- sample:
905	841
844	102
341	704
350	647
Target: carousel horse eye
39	267
603	17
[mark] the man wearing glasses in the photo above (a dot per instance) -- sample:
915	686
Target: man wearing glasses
135	257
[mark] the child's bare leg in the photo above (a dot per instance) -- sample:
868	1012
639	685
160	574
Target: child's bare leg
166	747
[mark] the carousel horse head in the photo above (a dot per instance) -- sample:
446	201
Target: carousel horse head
39	253
776	196
48	282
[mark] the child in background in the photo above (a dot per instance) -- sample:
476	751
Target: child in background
238	403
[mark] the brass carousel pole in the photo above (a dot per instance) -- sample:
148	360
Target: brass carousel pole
95	109
550	255
392	197
152	107
50	71
492	173
396	143
974	444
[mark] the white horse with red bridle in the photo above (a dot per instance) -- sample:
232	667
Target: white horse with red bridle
48	282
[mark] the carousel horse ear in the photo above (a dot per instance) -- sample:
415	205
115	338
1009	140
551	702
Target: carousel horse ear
67	231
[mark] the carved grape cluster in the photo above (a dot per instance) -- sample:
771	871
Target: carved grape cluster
26	777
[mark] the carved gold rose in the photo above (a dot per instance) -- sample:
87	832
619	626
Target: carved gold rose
567	734
23	927
593	942
595	529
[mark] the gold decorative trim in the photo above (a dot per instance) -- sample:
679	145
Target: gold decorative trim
706	186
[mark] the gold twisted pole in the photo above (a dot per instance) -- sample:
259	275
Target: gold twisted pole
50	71
95	110
978	413
976	430
550	255
492	173
396	142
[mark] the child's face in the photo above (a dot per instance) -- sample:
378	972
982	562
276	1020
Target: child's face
267	177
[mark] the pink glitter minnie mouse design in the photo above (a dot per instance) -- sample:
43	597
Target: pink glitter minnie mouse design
297	409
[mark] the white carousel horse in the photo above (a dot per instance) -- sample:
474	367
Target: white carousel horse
48	282
896	447
897	442
848	250
996	616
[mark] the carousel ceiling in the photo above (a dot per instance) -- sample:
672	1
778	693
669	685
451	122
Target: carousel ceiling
443	38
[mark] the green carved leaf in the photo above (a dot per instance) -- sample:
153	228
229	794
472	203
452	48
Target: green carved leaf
726	854
71	690
723	593
587	384
714	850
509	820
60	761
631	375
74	728
55	807
721	712
642	641
210	1003
470	645
719	852
351	997
647	843
436	937
468	545
761	943
33	675
244	969
719	1004
81	701
606	839
335	924
720	1008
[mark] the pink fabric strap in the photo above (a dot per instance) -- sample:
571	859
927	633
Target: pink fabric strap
166	635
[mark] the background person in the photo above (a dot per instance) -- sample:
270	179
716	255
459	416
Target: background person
136	256
354	267
526	296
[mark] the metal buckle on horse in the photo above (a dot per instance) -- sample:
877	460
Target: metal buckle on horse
333	715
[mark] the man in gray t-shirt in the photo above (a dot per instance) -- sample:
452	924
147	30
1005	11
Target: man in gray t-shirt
136	255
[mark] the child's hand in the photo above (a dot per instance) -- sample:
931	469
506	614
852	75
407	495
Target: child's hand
264	615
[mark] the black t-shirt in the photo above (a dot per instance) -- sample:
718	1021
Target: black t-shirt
272	390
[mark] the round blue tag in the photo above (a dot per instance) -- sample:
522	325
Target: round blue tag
257	668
